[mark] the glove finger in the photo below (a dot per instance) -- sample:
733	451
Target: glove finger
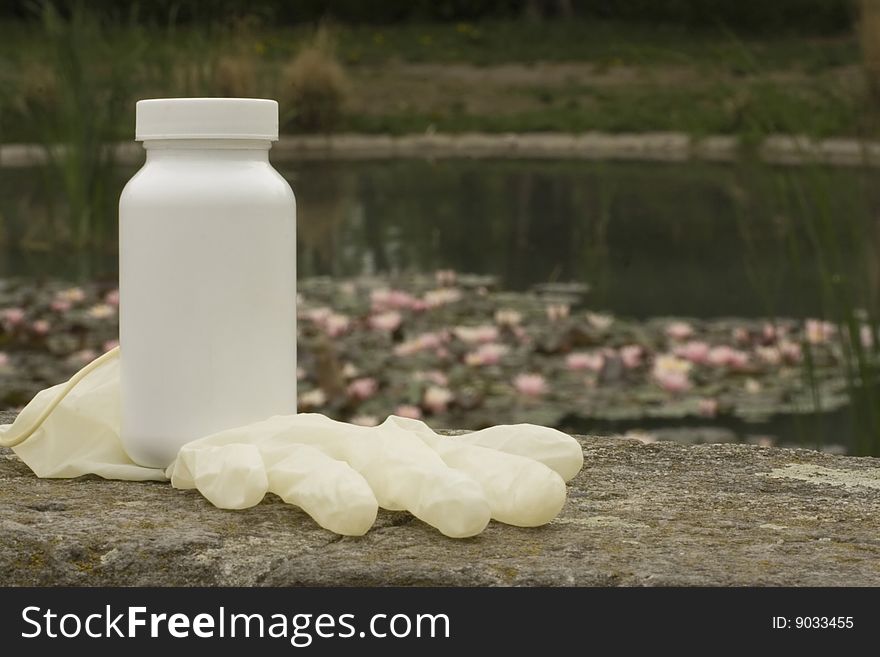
444	498
520	491
229	476
401	470
337	497
404	473
558	451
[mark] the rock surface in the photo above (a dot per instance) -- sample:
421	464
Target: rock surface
638	514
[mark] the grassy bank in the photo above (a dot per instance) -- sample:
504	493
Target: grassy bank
492	76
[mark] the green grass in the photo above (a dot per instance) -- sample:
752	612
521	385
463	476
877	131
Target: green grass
603	43
720	109
488	43
791	82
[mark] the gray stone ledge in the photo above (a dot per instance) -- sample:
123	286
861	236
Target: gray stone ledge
656	514
664	147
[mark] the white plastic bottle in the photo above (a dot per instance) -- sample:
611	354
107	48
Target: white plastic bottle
207	276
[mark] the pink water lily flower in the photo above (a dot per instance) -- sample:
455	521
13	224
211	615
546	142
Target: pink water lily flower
557	311
363	388
672	373
584	360
725	356
318	315
866	336
72	294
707	407
410	411
388	321
4	360
769	355
530	385
388	299
13	316
679	330
365	420
335	324
631	355
101	311
424	341
112	297
476	334
436	399
445	277
521	335
673	381
600	321
436	377
818	331
791	351
695	351
741	335
441	297
670	363
41	327
486	354
507	317
313	399
83	357
771	332
60	305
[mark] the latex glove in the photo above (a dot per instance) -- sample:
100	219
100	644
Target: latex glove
336	472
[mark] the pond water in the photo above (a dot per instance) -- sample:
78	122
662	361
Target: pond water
650	239
693	239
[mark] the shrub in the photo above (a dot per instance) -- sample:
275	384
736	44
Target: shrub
38	88
235	76
314	87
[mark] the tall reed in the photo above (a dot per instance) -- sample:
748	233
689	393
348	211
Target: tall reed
830	223
85	85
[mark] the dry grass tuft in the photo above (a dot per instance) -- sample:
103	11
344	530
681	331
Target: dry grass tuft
314	86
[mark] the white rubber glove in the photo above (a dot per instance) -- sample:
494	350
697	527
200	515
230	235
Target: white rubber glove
336	472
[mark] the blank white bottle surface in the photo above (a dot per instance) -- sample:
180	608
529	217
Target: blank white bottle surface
207	276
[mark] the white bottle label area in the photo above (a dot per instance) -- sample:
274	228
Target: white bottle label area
207	297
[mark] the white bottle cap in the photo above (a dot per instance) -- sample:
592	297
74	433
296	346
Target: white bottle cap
206	118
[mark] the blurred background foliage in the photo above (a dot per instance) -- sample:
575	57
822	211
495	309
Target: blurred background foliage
816	16
396	67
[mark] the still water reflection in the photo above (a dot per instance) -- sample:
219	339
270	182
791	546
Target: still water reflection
671	239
